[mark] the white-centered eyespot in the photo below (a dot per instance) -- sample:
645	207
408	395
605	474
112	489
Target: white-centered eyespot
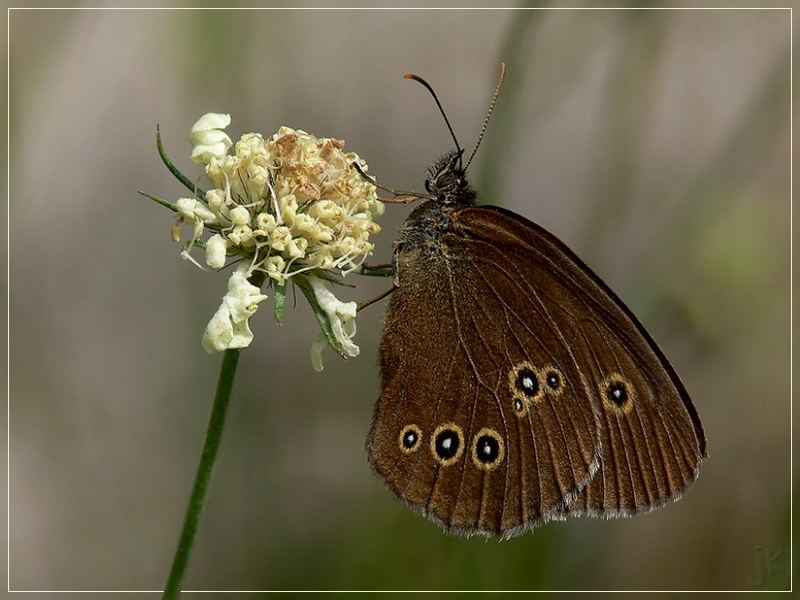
447	444
488	449
617	394
410	438
552	380
526	386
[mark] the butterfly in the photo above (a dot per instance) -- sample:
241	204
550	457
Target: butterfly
516	387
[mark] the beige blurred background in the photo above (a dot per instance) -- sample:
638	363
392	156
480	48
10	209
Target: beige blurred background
655	143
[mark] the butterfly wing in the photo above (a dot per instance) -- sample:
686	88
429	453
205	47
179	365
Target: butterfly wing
652	441
467	430
511	375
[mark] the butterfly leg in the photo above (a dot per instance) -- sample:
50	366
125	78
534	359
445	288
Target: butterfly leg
399	196
377	298
375	270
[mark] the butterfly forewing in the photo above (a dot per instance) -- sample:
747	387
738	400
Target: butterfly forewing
478	365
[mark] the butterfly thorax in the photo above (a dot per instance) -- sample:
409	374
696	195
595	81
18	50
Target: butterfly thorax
421	234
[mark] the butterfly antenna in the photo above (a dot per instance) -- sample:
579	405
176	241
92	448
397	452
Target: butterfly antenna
489	114
427	85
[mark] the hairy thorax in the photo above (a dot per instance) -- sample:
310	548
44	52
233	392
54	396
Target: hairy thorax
420	238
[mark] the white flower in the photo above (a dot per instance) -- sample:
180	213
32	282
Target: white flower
240	235
207	138
193	210
341	316
265	223
216	249
216	201
274	266
297	247
287	205
240	216
230	327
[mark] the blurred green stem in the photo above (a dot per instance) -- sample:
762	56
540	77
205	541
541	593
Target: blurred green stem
201	481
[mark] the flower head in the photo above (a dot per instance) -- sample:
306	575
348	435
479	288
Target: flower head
285	206
296	197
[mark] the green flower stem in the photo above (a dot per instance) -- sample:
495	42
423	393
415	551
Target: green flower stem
216	423
201	481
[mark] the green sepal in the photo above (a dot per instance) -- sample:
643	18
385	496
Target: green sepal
170	205
322	317
174	170
280	300
328	277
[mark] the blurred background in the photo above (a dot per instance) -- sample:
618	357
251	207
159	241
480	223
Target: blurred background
654	143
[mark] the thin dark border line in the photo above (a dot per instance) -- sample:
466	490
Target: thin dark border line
8	290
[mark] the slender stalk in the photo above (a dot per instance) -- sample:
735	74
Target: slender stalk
175	171
216	423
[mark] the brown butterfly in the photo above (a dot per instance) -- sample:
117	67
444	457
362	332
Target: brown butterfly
517	388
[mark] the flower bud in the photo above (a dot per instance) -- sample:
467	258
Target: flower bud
239	216
216	251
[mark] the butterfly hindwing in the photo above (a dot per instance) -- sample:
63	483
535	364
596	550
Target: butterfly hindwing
651	437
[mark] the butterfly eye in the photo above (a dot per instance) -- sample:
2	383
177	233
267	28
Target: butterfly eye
447	444
410	438
446	179
488	449
617	394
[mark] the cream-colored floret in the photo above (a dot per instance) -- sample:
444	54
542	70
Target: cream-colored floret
207	138
230	326
216	249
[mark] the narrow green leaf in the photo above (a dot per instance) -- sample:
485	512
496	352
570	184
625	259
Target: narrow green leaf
174	170
322	318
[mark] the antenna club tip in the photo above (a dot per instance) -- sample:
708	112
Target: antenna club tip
408	76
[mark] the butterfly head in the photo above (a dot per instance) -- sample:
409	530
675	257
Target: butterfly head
447	180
